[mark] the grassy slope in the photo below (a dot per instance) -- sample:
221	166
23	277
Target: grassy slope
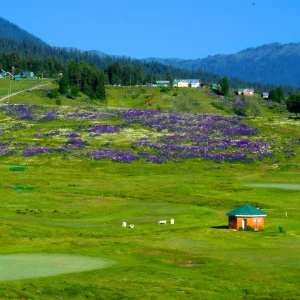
84	202
152	98
6	84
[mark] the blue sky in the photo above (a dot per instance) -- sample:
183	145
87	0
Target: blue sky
156	28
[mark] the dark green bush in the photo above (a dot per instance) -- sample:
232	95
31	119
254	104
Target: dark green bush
165	89
53	94
74	91
248	228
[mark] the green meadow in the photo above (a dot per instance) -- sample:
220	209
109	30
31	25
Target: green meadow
61	236
11	86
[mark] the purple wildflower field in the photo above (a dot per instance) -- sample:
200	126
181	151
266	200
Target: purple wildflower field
75	143
166	135
90	115
105	129
38	150
42	134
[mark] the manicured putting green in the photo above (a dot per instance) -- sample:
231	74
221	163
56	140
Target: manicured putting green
23	266
275	185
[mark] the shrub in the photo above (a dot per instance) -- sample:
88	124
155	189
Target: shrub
53	94
165	89
58	101
74	91
248	228
64	85
186	103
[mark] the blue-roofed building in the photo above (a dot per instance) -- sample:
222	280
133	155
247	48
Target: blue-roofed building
214	86
27	74
17	77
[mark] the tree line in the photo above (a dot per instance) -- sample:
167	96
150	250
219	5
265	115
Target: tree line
276	95
80	77
49	61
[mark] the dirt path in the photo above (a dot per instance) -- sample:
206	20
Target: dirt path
30	89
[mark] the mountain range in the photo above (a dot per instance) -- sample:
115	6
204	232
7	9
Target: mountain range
275	63
12	31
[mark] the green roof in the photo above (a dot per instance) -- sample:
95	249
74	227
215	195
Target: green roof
246	210
242	89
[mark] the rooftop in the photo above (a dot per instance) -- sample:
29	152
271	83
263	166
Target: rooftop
246	210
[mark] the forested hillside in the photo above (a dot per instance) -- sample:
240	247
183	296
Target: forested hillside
12	31
23	51
275	63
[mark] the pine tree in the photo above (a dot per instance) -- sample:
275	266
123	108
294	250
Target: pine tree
224	83
64	85
293	103
100	89
280	94
169	78
273	95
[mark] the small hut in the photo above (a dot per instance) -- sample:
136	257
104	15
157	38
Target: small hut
245	216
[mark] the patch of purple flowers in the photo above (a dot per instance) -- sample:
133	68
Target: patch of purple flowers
105	129
21	111
73	135
6	152
183	122
34	151
51	133
74	143
90	115
114	155
50	115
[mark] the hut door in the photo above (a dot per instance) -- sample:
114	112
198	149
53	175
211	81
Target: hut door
244	224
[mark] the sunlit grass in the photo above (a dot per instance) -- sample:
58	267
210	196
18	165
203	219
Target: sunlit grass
77	207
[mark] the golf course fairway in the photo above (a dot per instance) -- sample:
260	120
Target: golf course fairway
23	266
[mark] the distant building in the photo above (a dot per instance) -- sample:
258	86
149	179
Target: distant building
214	86
245	216
4	74
180	83
246	91
27	74
163	83
17	77
265	95
195	83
